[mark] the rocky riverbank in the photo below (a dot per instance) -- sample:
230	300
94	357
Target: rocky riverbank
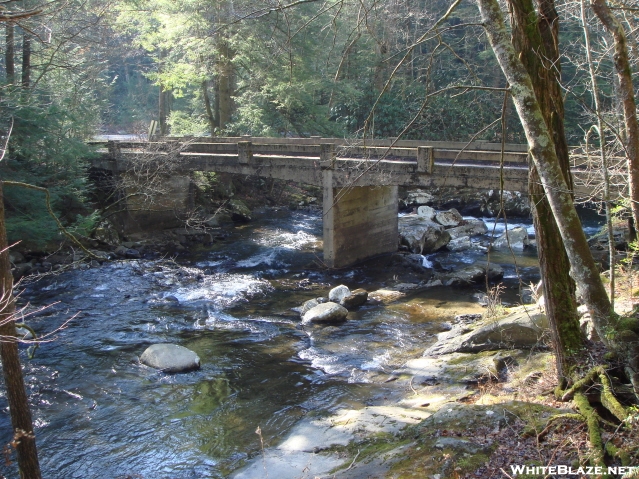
441	422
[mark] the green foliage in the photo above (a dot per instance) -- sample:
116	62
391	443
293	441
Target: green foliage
184	124
51	118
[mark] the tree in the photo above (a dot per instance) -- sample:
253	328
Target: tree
542	149
627	99
536	40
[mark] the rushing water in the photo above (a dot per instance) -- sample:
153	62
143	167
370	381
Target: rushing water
99	413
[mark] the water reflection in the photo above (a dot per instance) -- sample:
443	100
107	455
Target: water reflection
99	413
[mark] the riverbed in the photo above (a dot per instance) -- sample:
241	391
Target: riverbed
99	413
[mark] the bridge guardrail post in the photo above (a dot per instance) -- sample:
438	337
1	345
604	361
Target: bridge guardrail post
425	159
114	149
327	156
244	152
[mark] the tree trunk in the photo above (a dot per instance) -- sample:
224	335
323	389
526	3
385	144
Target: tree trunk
535	40
164	109
224	100
9	56
11	367
26	60
602	152
627	97
210	115
582	266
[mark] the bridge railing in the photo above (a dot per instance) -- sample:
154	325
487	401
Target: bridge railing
387	150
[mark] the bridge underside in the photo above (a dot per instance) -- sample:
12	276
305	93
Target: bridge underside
360	192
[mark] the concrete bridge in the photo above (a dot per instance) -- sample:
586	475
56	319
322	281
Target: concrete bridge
359	179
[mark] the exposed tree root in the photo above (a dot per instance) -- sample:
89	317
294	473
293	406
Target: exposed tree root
608	399
596	379
594	429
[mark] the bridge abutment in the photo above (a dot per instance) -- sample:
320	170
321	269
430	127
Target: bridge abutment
359	222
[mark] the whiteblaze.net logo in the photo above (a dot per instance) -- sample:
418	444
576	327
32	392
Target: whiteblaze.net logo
625	472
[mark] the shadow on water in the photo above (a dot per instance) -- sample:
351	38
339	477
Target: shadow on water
99	413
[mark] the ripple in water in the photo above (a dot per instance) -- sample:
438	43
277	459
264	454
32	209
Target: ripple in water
222	290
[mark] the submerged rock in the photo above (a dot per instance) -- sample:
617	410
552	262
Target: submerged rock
170	358
326	313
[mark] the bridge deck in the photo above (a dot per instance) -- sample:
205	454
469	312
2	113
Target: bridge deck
476	165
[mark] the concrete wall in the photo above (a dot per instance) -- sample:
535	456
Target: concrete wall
359	223
166	207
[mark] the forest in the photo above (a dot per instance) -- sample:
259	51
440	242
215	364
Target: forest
559	76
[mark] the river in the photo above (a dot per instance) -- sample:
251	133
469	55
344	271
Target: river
99	413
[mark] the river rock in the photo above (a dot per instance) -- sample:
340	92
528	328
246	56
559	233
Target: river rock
449	218
521	329
326	313
20	269
415	262
307	306
357	298
107	233
516	238
239	211
470	228
170	358
426	212
418	198
421	235
338	293
16	257
472	274
459	244
472	202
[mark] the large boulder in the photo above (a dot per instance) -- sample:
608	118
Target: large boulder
325	313
470	228
421	235
106	233
239	211
459	244
170	358
449	218
522	329
516	238
418	197
426	212
472	274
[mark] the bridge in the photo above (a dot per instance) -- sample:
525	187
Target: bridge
359	178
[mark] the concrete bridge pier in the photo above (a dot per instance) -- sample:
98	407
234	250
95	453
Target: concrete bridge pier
359	221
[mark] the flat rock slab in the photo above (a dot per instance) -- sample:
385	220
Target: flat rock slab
349	425
170	358
377	419
314	434
279	464
520	329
